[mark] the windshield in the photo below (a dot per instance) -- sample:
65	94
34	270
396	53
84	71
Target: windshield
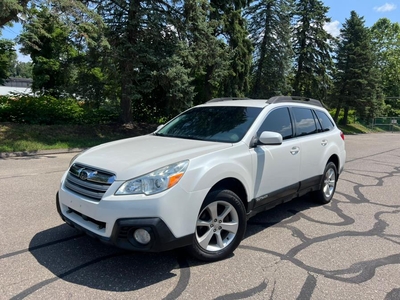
214	123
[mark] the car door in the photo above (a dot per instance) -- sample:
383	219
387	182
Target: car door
312	143
276	167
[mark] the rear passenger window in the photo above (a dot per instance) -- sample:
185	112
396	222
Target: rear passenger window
278	121
324	120
305	122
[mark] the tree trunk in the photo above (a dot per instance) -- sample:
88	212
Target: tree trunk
126	96
338	108
127	62
346	115
207	85
297	86
260	66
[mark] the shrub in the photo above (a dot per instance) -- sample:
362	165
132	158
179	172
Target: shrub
39	110
100	115
47	110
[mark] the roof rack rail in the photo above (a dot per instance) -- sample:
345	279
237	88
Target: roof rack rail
228	99
279	99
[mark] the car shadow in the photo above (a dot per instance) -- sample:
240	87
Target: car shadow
79	259
279	214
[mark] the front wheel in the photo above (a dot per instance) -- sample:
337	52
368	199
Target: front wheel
220	226
328	186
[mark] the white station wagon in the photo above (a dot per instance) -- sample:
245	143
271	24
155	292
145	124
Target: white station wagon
196	180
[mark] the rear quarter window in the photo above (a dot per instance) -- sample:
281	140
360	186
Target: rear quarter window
324	120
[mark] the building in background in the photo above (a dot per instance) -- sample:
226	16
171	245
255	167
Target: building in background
16	85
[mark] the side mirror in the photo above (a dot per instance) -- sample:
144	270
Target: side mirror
270	138
159	127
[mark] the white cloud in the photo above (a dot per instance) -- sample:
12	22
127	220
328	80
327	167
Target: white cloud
386	7
333	28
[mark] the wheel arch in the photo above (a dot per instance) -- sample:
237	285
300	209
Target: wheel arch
335	159
234	185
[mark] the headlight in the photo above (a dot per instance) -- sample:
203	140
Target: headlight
154	182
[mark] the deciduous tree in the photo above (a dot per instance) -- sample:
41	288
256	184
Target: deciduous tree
47	40
7	55
386	41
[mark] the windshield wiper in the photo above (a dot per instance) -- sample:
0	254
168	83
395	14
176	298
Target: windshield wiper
187	137
159	134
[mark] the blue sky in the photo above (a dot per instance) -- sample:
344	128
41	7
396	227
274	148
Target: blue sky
11	32
371	10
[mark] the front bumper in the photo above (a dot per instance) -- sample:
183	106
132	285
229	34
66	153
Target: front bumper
162	238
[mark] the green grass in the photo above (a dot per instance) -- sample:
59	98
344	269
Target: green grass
23	137
355	129
358	128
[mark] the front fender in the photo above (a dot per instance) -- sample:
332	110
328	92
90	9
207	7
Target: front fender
204	173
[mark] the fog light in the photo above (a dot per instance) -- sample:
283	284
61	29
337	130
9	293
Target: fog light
142	236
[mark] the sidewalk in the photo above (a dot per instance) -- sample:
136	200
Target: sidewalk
4	155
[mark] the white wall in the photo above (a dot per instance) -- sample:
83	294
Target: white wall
6	90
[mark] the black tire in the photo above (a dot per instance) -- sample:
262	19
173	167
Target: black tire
220	227
328	185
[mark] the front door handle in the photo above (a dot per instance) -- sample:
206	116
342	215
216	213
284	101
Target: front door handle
294	150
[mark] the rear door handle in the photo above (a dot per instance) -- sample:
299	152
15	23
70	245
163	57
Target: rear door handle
294	150
324	142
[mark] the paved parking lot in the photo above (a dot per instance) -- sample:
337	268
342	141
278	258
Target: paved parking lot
348	249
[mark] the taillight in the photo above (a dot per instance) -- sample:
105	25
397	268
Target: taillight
342	135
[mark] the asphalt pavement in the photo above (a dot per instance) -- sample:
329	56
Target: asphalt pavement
348	249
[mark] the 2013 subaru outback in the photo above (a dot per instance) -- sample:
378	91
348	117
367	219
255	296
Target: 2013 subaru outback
195	181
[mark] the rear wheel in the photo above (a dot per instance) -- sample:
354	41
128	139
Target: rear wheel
328	186
220	226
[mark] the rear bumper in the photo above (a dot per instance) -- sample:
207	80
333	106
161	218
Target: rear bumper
162	238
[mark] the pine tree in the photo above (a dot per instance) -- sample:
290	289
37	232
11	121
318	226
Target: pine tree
9	10
147	52
236	84
230	26
269	27
357	79
312	49
206	54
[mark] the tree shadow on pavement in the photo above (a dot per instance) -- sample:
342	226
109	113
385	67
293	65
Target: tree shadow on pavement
76	258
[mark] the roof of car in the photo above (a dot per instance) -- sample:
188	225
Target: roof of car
242	102
230	101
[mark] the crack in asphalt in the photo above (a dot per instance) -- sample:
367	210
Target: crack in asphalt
356	273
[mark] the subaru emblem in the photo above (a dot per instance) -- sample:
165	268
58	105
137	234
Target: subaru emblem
83	175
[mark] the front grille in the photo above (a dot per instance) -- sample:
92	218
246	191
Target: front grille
100	225
88	181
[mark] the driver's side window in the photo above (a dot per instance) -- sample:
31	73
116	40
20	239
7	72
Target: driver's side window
278	121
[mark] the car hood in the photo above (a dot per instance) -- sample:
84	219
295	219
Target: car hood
130	158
